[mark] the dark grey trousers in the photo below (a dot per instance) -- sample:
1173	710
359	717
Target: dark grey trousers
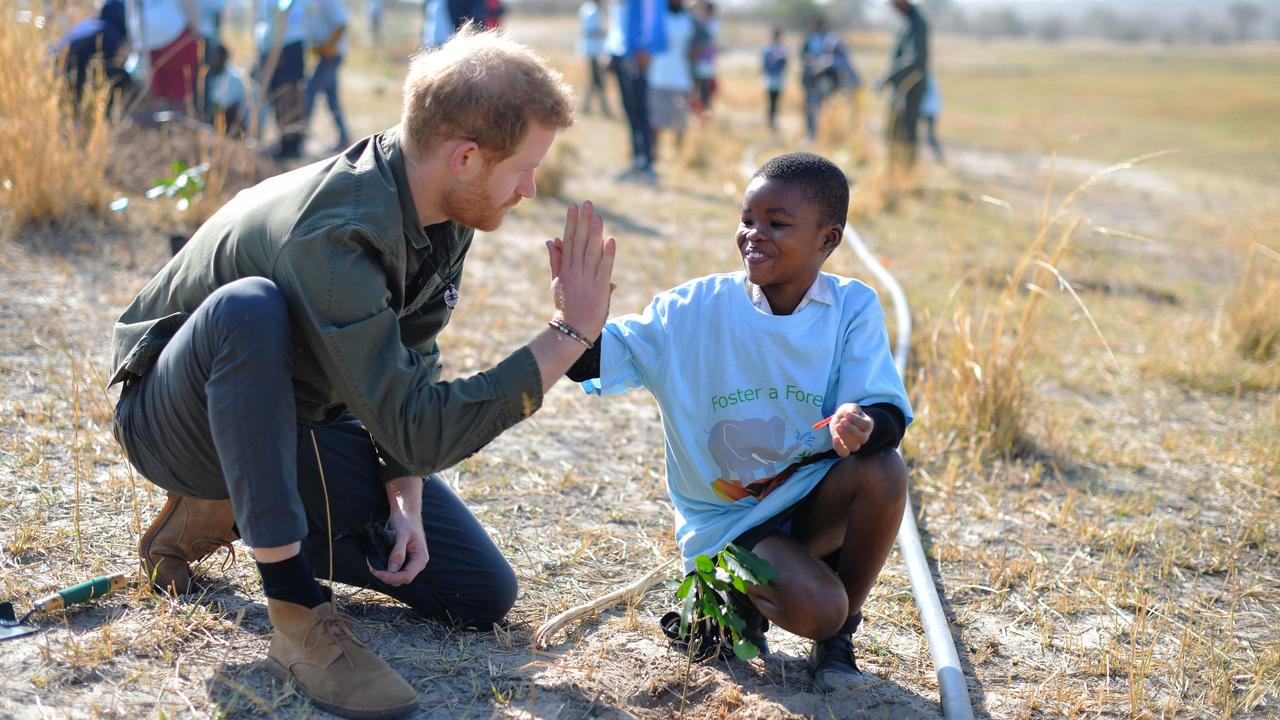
215	418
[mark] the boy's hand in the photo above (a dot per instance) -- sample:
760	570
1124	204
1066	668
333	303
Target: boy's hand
850	428
581	270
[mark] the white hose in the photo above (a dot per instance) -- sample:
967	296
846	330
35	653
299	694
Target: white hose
952	687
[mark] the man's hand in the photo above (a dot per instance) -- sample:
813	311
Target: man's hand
410	555
850	428
581	270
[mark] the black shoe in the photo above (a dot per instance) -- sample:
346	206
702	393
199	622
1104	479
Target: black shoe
757	624
832	661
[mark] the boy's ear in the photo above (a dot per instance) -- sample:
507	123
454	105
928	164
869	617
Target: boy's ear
832	238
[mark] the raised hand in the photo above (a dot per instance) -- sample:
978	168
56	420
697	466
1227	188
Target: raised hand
582	271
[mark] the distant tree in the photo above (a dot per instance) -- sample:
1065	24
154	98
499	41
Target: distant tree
796	15
1193	27
1000	22
1245	15
1052	28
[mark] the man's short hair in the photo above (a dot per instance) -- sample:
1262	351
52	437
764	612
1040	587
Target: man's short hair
482	86
819	179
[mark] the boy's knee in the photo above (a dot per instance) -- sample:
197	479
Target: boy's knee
826	607
883	478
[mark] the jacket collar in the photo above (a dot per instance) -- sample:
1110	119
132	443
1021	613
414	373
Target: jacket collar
389	148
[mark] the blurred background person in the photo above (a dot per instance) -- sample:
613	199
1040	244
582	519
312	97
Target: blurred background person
374	10
102	38
636	31
281	33
493	12
908	71
774	69
671	77
224	93
704	61
437	26
591	34
826	67
931	110
327	36
166	31
211	25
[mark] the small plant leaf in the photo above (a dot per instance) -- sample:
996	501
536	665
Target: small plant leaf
686	613
704	564
756	566
745	650
157	191
684	588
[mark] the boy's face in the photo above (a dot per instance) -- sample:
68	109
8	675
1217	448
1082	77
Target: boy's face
782	244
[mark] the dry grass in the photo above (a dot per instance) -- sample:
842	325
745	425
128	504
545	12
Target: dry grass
52	159
1253	318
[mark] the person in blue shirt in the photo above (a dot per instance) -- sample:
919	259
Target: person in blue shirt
637	32
774	66
745	366
326	35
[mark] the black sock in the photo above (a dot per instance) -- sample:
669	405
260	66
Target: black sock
292	581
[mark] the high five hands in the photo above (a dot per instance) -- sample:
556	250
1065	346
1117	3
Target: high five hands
582	271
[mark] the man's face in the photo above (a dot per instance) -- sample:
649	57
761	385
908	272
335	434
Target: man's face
482	200
781	242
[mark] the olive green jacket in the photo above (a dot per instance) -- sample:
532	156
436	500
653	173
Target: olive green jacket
364	283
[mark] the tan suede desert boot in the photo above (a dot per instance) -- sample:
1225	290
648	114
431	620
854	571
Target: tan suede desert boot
186	531
327	653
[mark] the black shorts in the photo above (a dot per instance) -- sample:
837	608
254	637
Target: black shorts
778	523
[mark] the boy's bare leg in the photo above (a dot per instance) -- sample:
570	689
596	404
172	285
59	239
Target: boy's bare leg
807	598
856	509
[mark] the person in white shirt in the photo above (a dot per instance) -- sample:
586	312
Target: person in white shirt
591	47
671	77
327	37
166	30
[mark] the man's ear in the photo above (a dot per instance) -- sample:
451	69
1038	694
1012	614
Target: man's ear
465	158
832	238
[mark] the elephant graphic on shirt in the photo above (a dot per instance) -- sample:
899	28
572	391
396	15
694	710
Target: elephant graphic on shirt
743	449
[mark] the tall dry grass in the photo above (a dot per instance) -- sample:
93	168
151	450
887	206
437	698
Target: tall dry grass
973	383
53	156
1254	317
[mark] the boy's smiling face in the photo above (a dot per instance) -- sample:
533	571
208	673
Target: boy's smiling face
782	242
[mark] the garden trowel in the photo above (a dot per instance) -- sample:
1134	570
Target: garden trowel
12	627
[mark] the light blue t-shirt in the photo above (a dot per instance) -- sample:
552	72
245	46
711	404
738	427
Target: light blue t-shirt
740	390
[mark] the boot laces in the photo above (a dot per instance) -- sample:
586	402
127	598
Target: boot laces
214	546
338	626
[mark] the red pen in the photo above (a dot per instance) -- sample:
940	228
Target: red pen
822	423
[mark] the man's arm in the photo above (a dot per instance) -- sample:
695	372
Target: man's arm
339	301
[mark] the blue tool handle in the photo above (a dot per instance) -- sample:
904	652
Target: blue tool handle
80	592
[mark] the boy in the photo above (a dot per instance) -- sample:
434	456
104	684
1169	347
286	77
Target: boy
742	366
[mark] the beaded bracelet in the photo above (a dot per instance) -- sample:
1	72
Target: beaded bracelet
566	330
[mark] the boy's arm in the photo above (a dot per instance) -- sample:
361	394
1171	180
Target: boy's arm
587	367
886	428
